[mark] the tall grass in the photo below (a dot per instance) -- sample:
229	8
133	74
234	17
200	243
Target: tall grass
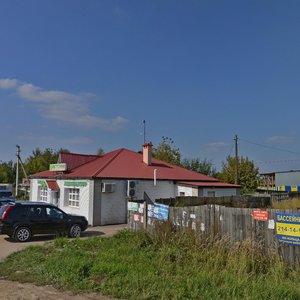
165	265
287	204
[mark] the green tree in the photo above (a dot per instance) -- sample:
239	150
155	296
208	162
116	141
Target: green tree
167	152
204	166
100	151
40	160
247	173
7	172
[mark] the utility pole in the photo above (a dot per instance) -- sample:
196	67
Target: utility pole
19	160
17	171
236	159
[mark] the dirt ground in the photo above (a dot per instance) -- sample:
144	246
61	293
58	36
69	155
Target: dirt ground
25	291
10	290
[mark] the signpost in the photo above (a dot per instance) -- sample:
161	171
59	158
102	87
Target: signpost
58	167
75	183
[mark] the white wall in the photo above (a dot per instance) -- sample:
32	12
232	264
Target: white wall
34	190
203	192
187	190
219	192
85	198
86	195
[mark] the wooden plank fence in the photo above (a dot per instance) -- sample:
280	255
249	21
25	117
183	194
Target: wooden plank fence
235	224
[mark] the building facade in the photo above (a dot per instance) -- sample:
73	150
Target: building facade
99	187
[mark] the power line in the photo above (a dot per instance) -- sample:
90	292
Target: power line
278	161
269	147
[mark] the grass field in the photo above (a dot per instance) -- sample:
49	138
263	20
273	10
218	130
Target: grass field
287	204
164	266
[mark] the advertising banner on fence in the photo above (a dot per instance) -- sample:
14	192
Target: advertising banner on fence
158	211
288	228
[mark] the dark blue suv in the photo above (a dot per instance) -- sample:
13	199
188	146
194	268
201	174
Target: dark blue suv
22	220
6	197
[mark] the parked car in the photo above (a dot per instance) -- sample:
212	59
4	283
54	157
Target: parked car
7	195
6	201
22	220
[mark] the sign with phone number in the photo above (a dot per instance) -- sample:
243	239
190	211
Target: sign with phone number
288	228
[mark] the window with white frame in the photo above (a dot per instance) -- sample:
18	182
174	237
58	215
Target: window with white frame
74	197
44	195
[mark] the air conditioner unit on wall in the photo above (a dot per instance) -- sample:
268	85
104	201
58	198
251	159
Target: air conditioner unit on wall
108	187
131	188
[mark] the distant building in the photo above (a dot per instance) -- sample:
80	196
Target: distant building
266	182
284	181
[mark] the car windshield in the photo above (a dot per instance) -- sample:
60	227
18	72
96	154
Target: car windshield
5	194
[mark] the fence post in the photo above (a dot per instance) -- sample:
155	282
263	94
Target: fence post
145	215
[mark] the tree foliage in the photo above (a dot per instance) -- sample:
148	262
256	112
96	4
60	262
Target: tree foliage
40	160
247	173
100	151
7	172
204	166
167	152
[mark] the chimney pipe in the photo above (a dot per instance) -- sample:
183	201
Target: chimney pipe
147	154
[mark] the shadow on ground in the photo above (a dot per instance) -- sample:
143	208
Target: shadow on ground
91	233
45	238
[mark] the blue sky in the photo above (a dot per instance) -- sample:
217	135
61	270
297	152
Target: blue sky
85	74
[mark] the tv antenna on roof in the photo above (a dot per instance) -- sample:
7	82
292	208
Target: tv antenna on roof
144	124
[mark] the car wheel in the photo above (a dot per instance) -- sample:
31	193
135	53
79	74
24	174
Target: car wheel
22	234
75	231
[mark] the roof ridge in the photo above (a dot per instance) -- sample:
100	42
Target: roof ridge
105	165
81	154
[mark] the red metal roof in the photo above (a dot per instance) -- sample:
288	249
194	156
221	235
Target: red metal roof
52	184
44	174
123	163
73	160
209	184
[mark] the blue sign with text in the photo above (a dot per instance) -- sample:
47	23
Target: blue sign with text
288	228
158	211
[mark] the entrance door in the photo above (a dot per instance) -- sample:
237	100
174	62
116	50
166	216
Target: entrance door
55	198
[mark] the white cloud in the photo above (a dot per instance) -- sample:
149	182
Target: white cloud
62	106
51	140
280	139
8	83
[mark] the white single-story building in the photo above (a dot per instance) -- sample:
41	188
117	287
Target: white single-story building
99	186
